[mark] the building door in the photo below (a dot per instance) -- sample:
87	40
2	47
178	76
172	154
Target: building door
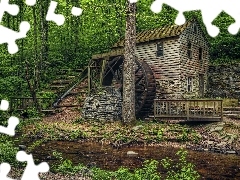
201	85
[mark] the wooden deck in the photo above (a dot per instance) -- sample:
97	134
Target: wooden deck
23	103
190	110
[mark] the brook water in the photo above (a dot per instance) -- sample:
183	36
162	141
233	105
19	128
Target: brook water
209	165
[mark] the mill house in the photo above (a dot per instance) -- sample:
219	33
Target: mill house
171	69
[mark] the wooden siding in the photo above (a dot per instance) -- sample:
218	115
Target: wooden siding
166	68
193	67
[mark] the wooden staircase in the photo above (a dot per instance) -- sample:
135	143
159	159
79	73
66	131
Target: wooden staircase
232	112
71	89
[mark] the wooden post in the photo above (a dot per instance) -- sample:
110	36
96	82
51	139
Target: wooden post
155	107
187	107
102	71
89	79
221	110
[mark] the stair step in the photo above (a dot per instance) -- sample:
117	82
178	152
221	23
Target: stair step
68	105
48	111
231	112
70	77
62	81
231	108
237	116
56	86
77	92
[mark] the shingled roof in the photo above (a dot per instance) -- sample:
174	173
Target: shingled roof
158	33
145	36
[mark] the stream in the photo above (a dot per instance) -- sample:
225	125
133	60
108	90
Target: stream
209	165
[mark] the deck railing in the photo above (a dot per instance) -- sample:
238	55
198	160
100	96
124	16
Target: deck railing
23	103
194	109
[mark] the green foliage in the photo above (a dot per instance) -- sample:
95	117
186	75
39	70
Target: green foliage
35	144
32	112
77	134
182	170
65	166
7	150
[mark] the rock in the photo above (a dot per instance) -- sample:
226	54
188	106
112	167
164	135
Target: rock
22	147
221	124
219	128
238	152
135	128
221	144
230	141
131	153
231	152
210	142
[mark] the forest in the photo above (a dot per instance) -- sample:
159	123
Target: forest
76	147
49	47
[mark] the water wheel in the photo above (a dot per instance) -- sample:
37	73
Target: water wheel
145	86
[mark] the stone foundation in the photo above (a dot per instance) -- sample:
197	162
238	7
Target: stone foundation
104	105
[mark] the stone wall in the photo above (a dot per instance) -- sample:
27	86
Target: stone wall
224	81
103	105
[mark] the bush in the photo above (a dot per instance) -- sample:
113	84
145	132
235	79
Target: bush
182	170
7	150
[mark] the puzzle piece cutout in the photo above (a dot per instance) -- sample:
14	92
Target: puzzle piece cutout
31	170
9	36
59	18
12	121
4	105
76	11
51	16
4	170
10	129
209	10
12	9
31	2
132	1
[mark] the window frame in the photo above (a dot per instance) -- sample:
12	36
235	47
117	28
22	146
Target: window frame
195	28
189	85
160	49
189	50
200	54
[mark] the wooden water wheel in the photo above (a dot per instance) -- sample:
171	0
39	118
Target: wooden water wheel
145	86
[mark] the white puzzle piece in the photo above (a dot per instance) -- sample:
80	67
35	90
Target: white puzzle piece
4	170
51	16
4	105
9	36
10	129
210	9
31	170
30	2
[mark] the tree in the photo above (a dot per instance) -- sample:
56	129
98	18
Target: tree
128	105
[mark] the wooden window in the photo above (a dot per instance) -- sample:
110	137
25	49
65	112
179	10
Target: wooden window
159	49
200	53
189	84
189	51
194	28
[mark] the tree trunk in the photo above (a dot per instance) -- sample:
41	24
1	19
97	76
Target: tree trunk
33	87
128	105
